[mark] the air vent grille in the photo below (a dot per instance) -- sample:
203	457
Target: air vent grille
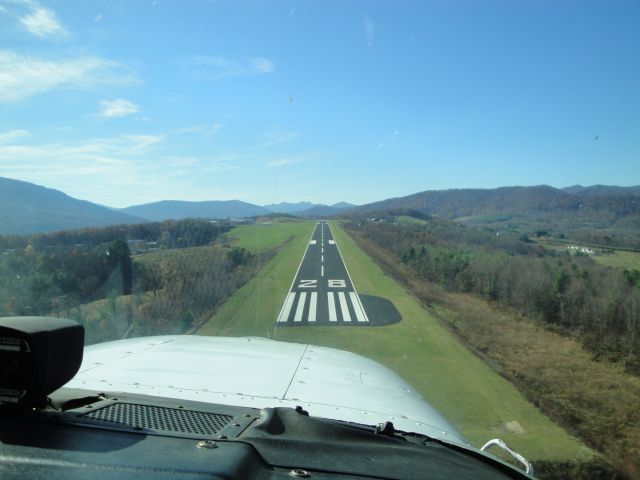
162	419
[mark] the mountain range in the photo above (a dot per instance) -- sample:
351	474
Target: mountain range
306	207
178	209
28	208
459	204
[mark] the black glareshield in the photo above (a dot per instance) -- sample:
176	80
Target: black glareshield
37	356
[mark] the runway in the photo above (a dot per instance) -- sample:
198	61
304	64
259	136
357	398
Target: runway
322	292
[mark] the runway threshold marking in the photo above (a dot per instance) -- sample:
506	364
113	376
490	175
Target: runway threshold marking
286	308
291	297
300	309
312	306
346	316
357	307
332	307
297	310
357	297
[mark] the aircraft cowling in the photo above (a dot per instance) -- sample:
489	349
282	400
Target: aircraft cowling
259	373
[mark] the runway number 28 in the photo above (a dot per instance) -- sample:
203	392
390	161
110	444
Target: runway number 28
314	284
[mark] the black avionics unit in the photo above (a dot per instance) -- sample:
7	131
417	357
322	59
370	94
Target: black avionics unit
37	356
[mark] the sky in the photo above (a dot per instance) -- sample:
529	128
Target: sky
130	102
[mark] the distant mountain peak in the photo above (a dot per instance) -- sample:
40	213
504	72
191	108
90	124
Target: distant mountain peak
29	208
179	209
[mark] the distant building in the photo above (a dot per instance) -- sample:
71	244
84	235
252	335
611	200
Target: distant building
578	250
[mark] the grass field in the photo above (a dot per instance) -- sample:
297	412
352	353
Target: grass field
619	259
407	219
263	236
253	308
473	396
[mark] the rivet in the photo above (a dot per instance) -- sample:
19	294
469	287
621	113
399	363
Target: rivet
298	472
207	444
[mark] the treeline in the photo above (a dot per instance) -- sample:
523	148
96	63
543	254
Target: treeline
35	282
168	234
174	292
573	294
57	271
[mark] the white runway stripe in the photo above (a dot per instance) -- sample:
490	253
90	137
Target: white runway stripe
300	309
346	316
284	314
312	306
332	307
355	301
322	271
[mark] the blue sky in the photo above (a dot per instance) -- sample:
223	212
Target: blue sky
130	102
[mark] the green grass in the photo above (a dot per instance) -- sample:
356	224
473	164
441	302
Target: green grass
407	219
473	396
619	259
260	237
252	310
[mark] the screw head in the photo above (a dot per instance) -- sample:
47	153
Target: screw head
299	473
207	444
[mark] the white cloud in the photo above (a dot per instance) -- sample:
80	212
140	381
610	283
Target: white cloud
207	130
202	67
116	161
215	128
283	162
23	76
118	107
369	30
11	135
98	18
276	138
118	171
42	22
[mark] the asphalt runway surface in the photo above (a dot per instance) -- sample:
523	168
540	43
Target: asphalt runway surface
322	292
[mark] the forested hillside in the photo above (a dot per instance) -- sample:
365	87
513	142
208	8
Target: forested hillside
572	293
606	215
27	208
177	210
561	327
91	275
